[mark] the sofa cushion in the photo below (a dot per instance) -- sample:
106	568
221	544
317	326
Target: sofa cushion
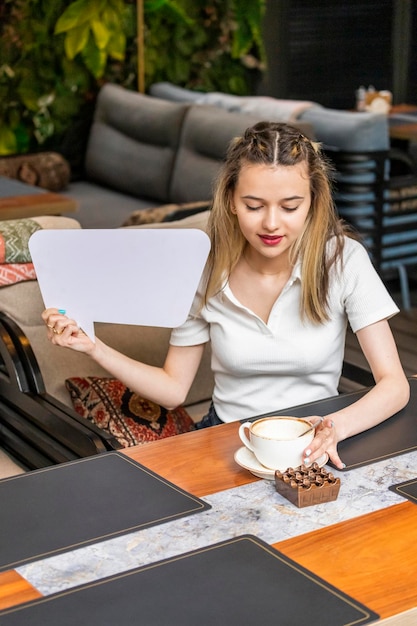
12	273
14	239
197	220
102	207
15	260
347	130
131	419
264	107
132	142
206	134
23	302
165	212
169	91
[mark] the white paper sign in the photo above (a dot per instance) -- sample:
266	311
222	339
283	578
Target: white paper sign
125	276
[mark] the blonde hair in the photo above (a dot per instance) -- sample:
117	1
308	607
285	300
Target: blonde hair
276	144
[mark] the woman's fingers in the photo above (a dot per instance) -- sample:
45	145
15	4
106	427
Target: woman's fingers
336	460
58	324
65	332
51	311
325	441
56	320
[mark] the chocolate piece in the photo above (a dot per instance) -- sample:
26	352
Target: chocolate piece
307	486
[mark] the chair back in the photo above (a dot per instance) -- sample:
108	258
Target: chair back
381	208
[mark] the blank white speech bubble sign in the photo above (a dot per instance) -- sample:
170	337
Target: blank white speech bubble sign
124	276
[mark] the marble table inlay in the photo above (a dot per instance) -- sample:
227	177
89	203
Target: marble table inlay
255	508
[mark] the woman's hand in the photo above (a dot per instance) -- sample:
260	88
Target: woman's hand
325	440
65	332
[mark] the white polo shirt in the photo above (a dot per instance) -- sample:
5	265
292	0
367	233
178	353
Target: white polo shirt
261	367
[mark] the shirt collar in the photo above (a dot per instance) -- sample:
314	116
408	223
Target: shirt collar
296	272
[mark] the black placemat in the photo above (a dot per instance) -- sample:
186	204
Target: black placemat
407	489
242	581
69	505
394	436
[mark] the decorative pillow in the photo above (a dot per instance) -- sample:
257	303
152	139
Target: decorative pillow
48	170
11	273
15	260
160	213
14	239
131	419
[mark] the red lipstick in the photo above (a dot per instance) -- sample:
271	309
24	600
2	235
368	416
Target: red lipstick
271	240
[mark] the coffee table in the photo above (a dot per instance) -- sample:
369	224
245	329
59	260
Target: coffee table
402	122
19	200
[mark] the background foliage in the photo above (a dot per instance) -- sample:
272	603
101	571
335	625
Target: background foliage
54	57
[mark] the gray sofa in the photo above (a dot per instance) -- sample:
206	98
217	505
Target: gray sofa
341	130
143	152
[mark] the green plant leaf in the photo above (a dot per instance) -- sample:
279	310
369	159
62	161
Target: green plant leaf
117	46
76	39
178	12
119	6
112	19
8	143
22	138
94	59
77	13
76	77
101	34
154	5
199	44
249	16
28	96
242	42
128	19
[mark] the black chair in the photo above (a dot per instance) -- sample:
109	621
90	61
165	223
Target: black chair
35	428
382	208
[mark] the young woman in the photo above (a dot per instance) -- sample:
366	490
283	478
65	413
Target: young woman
283	279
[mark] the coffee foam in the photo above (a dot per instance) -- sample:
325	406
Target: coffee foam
279	428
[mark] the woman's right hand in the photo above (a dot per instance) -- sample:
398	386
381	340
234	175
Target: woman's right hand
65	332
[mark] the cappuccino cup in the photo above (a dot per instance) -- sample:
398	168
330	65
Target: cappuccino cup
278	441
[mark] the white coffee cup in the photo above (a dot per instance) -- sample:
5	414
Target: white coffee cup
278	441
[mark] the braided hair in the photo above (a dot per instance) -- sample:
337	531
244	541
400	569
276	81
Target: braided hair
277	144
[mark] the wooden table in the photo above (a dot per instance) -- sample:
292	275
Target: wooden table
403	129
18	200
373	557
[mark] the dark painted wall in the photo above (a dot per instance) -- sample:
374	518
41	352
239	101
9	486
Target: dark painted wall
323	50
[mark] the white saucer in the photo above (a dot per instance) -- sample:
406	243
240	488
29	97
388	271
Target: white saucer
246	459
